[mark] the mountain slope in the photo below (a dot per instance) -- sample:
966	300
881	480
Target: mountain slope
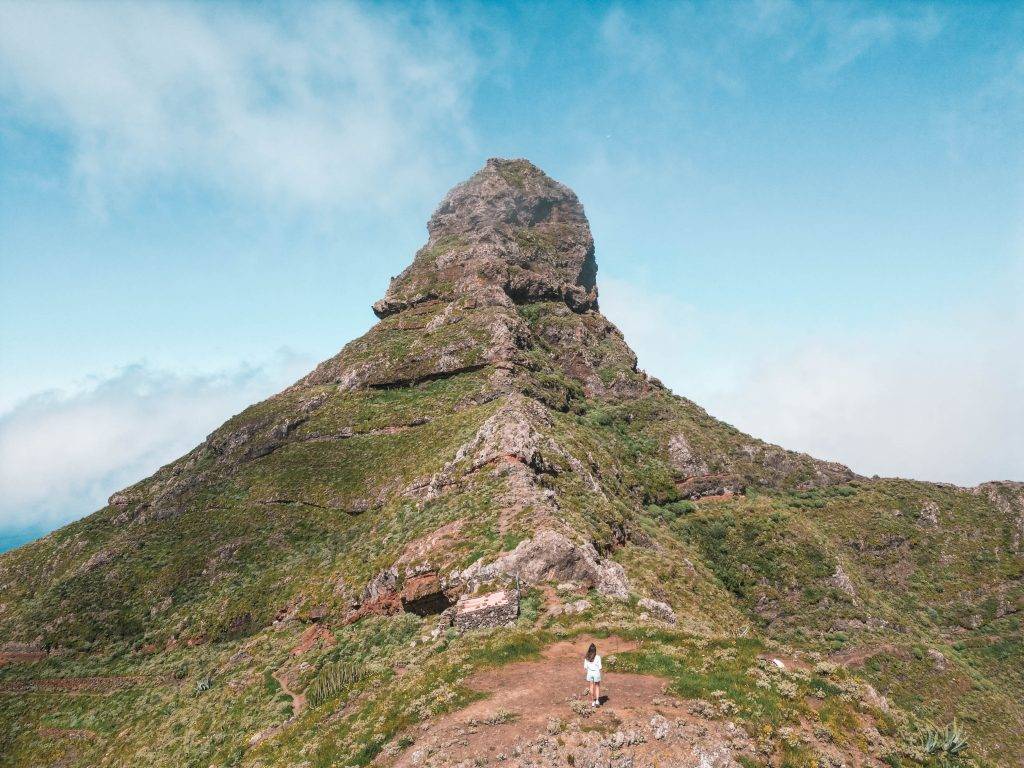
493	426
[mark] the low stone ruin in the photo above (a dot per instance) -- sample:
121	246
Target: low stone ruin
495	609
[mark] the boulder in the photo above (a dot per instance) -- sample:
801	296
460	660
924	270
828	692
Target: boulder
659	610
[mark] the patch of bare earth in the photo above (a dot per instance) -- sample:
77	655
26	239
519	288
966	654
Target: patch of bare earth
857	656
16	657
75	734
76	684
537	714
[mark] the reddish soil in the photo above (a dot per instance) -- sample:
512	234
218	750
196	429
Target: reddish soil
855	657
315	633
526	698
558	677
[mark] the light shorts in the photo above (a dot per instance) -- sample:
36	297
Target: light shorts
593	677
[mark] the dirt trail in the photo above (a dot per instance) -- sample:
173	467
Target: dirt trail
298	699
527	689
541	709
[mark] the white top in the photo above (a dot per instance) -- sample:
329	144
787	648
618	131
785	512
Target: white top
592	666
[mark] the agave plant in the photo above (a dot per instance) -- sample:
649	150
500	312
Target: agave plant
203	684
954	739
945	743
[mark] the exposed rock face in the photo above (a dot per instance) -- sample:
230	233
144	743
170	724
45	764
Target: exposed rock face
553	556
1008	498
930	514
683	457
510	229
841	581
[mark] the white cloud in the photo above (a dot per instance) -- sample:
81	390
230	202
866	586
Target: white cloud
63	453
915	410
847	32
931	403
317	106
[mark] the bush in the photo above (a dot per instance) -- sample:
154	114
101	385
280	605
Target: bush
332	680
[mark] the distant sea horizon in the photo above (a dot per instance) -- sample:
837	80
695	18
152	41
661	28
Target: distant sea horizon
12	538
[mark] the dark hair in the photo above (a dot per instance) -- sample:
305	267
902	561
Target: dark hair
591	652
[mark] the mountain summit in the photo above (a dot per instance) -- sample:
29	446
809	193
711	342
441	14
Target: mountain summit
443	511
510	228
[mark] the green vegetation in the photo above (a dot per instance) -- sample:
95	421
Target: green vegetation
332	679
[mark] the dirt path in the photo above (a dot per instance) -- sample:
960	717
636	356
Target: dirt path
537	715
557	678
298	699
538	711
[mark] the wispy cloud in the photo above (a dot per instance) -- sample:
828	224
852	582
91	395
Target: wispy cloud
992	117
709	44
62	453
321	105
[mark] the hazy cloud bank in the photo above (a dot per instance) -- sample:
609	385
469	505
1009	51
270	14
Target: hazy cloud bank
944	404
63	453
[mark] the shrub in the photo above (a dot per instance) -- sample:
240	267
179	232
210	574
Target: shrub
332	679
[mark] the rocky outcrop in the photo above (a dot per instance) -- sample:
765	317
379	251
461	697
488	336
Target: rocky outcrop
1008	498
553	556
841	581
684	459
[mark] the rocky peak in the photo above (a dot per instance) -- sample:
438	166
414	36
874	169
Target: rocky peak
510	232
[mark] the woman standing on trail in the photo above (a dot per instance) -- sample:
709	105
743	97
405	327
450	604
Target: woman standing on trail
592	666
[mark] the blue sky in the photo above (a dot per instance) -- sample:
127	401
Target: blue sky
808	216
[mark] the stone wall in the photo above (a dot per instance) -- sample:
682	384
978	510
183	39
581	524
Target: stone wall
495	609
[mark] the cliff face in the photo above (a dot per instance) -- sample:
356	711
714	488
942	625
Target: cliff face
492	434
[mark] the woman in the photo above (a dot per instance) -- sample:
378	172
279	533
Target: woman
592	666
